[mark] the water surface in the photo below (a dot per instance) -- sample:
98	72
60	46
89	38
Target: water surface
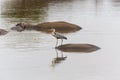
28	55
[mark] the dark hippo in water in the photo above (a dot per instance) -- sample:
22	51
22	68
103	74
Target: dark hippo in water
19	27
78	48
3	32
60	26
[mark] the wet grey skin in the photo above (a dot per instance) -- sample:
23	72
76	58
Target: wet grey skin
3	32
19	27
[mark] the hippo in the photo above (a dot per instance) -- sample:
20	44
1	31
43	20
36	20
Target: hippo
60	26
19	27
3	32
86	48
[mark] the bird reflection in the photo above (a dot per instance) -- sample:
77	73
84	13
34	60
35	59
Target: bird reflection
58	59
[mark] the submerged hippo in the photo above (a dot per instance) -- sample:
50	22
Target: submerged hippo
3	32
78	48
59	26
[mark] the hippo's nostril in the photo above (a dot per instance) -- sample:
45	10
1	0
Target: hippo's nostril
13	28
18	28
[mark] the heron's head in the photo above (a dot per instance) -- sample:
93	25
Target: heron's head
52	30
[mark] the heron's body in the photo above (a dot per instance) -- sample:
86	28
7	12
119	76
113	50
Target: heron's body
58	36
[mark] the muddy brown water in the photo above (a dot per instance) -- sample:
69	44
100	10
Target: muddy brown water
29	55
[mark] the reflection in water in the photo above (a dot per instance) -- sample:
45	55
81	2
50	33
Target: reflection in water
26	10
58	59
38	10
25	41
30	9
116	4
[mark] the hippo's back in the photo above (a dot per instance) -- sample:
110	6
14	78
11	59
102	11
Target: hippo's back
3	32
60	26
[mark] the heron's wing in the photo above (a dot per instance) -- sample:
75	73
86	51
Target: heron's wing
60	36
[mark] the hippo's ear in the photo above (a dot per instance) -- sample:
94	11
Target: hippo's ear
23	25
18	24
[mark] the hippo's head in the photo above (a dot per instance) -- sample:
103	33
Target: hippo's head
19	27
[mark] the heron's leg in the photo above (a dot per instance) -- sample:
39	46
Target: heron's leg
56	53
61	41
57	42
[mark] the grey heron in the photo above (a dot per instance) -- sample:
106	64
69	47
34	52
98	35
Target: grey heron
58	36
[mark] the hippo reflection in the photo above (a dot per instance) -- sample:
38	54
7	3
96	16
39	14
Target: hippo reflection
3	32
60	26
